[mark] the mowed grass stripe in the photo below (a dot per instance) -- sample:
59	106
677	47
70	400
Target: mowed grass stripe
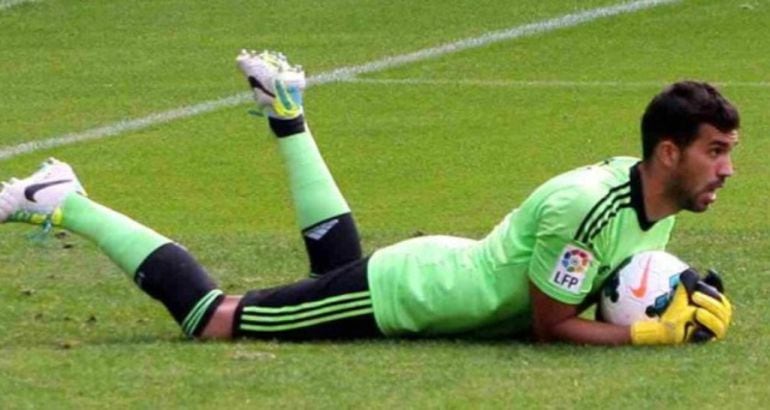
543	83
121	127
7	4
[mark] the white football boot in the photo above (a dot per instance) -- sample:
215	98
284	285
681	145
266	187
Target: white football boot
36	199
277	85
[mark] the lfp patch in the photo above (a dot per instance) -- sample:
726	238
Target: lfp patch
571	268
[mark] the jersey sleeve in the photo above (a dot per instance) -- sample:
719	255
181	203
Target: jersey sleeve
561	266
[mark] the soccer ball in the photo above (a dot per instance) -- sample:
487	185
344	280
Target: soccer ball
640	288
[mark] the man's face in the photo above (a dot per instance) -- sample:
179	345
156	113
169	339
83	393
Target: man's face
702	168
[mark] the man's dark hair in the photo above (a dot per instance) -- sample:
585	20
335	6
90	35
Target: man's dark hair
678	111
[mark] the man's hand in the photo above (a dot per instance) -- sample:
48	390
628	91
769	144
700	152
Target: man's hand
676	325
698	312
715	311
712	285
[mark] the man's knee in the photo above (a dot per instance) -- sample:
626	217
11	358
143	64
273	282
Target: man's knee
220	326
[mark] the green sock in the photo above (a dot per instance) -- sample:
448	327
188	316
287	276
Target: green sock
124	240
315	194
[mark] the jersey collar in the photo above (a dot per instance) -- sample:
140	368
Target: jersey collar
637	198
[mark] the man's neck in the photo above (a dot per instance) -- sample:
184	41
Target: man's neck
657	204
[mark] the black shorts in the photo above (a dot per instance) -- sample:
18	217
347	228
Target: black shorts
335	305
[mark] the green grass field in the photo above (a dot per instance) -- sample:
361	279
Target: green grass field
442	145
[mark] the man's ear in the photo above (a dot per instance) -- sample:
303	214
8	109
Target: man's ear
668	153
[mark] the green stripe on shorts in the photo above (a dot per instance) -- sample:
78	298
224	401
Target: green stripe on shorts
305	323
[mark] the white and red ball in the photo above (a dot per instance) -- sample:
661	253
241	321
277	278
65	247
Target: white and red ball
640	288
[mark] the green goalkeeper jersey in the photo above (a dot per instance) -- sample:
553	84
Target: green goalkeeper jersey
565	238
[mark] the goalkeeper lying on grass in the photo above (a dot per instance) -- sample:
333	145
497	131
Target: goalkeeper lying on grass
535	272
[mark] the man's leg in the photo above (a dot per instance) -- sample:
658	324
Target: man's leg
221	324
327	225
164	270
336	305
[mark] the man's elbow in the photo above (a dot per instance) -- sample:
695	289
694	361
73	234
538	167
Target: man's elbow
542	334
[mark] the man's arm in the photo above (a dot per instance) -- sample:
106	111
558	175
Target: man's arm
563	271
557	321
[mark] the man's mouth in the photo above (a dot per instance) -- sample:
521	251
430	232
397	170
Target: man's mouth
711	191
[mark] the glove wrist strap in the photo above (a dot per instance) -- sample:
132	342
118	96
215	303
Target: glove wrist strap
647	333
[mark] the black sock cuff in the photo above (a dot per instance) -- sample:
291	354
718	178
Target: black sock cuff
284	128
198	318
331	243
172	276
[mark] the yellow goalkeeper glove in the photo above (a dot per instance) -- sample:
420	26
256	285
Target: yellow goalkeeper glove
715	311
676	325
698	312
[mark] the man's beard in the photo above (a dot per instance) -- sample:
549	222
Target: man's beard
681	196
688	200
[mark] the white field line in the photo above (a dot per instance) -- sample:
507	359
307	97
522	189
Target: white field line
569	20
340	74
7	4
542	83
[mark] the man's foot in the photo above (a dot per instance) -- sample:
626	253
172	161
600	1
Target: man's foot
277	84
36	199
